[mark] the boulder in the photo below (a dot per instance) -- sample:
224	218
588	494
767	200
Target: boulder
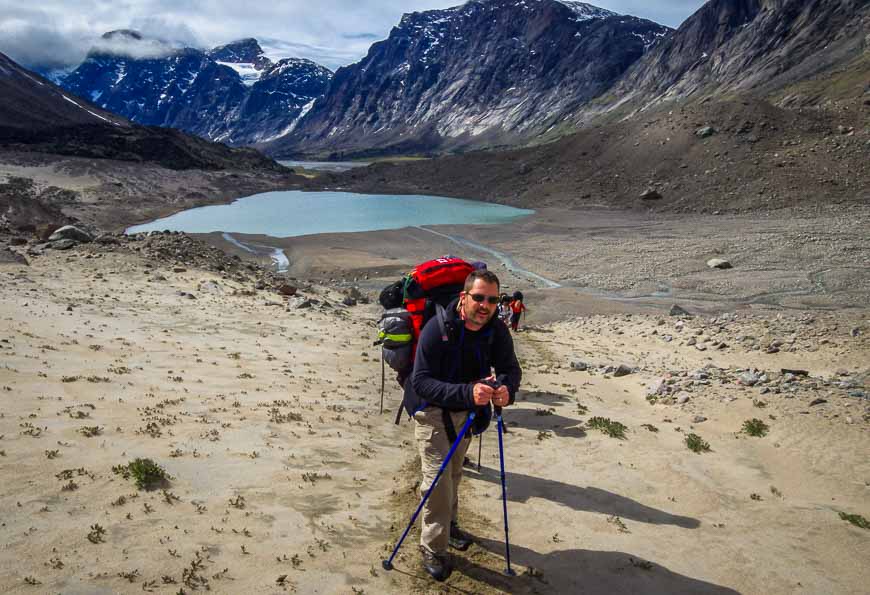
678	311
682	397
579	366
622	370
650	194
718	263
64	244
348	301
288	290
705	131
748	378
70	232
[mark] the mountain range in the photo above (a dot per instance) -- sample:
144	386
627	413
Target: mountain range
486	74
232	94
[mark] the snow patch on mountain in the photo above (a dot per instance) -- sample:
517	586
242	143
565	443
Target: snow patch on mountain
247	71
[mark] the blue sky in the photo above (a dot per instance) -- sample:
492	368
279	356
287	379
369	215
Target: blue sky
331	32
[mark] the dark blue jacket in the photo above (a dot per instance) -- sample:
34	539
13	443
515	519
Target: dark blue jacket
437	360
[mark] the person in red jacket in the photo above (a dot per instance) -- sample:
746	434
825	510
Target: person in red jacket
517	309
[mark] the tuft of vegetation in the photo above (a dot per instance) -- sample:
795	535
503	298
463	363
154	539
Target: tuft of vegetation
96	534
650	427
697	444
90	431
856	519
145	472
755	427
614	429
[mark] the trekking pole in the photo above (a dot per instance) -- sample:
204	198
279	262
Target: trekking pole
383	378
388	564
479	450
507	543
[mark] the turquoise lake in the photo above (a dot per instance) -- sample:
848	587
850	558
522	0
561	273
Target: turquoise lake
295	213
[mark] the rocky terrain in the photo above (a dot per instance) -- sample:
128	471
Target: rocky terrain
743	155
646	448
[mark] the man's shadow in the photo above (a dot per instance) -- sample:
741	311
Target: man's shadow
521	488
551	422
581	571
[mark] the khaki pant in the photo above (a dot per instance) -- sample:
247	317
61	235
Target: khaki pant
442	506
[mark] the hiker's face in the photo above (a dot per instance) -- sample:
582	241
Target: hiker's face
478	313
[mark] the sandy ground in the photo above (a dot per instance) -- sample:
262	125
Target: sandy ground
285	477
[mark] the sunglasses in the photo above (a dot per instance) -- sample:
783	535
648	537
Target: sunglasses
479	297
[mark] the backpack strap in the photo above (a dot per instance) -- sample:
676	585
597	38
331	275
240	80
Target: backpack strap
441	315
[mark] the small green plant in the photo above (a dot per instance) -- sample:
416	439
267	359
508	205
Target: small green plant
90	431
697	444
856	519
755	427
775	491
650	427
145	472
756	497
96	534
614	429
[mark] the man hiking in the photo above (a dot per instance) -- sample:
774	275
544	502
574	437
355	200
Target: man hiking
452	376
517	308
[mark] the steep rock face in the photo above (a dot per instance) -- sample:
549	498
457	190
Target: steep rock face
486	72
749	45
36	115
189	90
245	56
29	102
276	102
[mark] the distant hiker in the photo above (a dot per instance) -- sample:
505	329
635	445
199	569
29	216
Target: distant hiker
517	308
504	309
453	376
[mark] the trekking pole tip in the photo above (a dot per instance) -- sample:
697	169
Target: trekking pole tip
387	565
509	571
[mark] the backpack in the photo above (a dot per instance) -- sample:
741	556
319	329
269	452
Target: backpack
409	303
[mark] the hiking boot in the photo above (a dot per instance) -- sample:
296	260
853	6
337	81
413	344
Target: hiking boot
459	539
435	565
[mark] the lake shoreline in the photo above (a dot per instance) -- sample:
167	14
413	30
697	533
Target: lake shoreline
613	261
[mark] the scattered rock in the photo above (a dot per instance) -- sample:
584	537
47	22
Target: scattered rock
62	244
705	131
70	232
186	295
817	402
701	347
285	289
299	303
748	378
718	263
17	241
698	419
682	397
179	270
650	194
579	366
348	301
678	311
622	370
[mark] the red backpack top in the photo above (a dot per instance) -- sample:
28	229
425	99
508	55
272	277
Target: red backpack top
436	281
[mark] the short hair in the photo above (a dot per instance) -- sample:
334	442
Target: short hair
483	274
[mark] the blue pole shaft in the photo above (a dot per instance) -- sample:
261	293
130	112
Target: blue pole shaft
507	543
389	563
